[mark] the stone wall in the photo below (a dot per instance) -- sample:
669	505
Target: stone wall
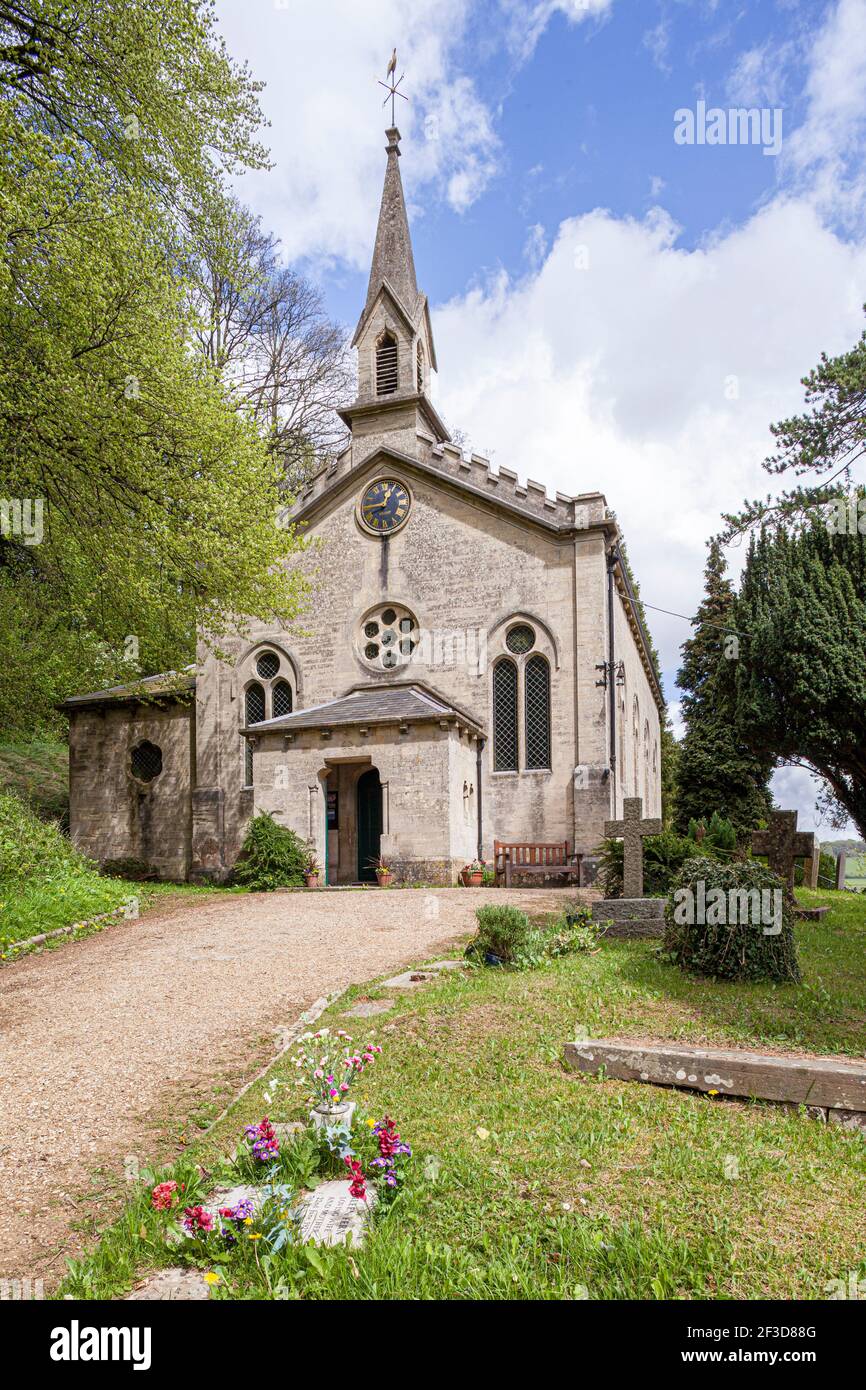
464	568
418	770
115	816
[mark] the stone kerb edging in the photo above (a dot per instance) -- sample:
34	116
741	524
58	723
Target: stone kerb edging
64	931
831	1090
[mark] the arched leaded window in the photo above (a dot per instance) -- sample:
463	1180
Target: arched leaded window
386	365
419	365
647	794
281	699
254	709
635	751
536	699
505	716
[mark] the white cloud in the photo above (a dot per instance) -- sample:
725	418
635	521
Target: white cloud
535	246
528	19
657	43
826	151
653	374
320	64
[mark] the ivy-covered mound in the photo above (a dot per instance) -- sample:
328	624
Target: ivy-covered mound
725	938
271	857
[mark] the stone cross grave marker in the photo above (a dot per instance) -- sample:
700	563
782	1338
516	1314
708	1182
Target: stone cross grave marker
632	830
783	843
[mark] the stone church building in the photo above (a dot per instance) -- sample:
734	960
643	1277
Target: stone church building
472	667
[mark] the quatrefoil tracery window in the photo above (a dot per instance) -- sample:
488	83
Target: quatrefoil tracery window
388	636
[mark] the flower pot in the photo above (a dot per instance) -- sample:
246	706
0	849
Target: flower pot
337	1116
475	880
383	878
311	880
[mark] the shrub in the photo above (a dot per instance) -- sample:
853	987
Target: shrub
130	868
719	838
271	857
730	949
663	858
573	931
503	933
30	847
44	882
506	936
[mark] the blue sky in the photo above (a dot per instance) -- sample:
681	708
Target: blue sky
612	309
587	122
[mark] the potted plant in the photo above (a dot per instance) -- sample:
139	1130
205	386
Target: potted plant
330	1065
473	874
384	874
311	872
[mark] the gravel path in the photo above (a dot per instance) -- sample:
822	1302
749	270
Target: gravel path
107	1044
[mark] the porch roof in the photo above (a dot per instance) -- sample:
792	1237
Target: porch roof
391	704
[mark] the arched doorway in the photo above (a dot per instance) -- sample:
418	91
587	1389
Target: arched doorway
369	824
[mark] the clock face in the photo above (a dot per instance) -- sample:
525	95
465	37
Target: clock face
385	506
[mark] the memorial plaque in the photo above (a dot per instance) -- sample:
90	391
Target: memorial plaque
331	1214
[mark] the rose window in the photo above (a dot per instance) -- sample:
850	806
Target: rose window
388	637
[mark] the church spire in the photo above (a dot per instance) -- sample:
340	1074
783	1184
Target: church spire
394	337
392	256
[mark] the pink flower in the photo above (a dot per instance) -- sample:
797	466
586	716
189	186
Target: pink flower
162	1196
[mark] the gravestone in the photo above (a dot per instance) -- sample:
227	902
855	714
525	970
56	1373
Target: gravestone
632	914
330	1214
840	871
410	979
632	830
229	1197
782	844
169	1285
367	1008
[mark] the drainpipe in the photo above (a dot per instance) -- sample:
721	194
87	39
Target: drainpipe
478	752
611	672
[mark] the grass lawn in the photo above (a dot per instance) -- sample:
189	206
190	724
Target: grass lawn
75	895
530	1182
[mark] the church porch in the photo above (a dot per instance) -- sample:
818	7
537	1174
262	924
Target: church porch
387	775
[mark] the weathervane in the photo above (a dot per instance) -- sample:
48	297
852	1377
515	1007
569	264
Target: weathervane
391	87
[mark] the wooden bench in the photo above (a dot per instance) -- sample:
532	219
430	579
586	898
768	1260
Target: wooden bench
529	858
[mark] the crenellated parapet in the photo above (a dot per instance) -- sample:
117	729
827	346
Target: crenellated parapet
477	474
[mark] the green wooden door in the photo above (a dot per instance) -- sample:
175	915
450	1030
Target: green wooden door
369	824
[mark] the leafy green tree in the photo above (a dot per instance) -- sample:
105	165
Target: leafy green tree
718	774
799	687
159	496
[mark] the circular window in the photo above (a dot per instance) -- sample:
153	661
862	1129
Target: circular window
145	762
520	639
388	637
268	665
